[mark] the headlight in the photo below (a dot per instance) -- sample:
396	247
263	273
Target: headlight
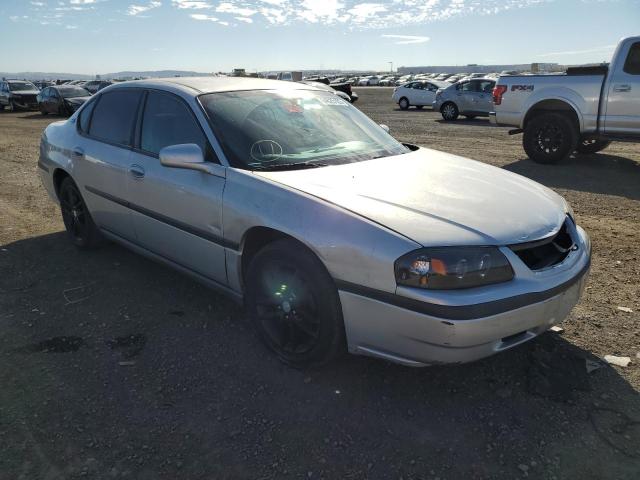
448	268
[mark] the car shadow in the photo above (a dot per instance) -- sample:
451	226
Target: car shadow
201	384
475	122
39	116
414	110
596	173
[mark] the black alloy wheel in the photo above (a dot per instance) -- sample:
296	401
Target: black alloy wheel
294	304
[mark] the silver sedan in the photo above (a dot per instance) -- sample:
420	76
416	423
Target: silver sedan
471	98
332	233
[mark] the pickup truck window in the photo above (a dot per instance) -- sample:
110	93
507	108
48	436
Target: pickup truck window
632	64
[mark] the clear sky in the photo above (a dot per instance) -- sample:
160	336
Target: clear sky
102	36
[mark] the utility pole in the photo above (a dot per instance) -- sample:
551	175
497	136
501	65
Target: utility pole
391	66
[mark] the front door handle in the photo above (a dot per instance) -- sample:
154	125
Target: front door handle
136	171
622	88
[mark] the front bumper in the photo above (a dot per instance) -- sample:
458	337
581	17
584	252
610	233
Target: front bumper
418	334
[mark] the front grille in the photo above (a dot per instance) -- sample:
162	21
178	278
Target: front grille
547	252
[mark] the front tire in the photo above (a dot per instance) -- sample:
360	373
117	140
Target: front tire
76	217
403	103
549	138
449	111
588	145
294	305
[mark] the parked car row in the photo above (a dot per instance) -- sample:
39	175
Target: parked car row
470	97
46	96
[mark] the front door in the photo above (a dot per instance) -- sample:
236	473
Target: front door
623	101
177	213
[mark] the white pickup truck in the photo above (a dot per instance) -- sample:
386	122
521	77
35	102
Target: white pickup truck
581	111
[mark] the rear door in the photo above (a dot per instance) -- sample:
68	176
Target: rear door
102	154
483	96
623	101
177	213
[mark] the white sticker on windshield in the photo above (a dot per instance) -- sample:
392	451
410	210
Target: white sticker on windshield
333	100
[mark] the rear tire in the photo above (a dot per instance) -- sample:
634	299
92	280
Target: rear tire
449	111
76	217
403	103
549	138
294	305
588	145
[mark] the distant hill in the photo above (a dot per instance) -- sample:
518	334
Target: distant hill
76	76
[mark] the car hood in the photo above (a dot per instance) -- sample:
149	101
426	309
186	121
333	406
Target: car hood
436	199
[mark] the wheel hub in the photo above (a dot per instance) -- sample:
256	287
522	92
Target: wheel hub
286	306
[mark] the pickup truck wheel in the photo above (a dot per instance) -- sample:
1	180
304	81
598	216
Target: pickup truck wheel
403	103
549	138
592	145
294	305
76	217
449	111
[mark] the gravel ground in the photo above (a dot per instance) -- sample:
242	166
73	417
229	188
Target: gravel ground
116	367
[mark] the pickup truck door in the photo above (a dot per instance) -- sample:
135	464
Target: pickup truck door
623	100
177	213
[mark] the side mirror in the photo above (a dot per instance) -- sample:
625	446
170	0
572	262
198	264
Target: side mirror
186	155
385	127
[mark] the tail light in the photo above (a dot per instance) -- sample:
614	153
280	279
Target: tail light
498	91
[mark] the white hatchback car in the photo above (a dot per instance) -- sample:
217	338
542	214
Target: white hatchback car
417	93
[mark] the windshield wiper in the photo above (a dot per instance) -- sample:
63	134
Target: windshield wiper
289	166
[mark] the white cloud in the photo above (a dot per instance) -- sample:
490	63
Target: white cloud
191	4
227	7
407	39
360	14
203	17
81	2
138	9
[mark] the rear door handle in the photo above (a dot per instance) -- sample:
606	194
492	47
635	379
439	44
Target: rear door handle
136	171
622	88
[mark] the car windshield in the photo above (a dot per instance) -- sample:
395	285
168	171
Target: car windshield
21	86
70	92
288	129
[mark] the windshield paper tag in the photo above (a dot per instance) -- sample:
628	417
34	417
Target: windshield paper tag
333	100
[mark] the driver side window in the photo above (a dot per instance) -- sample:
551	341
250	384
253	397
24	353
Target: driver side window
168	121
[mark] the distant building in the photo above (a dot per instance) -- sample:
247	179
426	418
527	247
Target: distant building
475	68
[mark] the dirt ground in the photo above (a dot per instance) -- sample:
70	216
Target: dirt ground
115	367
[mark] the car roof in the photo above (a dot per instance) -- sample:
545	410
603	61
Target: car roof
201	85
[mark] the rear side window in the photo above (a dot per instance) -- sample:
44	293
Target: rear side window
114	116
168	121
632	64
486	86
85	117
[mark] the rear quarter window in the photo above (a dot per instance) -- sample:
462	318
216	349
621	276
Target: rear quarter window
114	116
632	63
